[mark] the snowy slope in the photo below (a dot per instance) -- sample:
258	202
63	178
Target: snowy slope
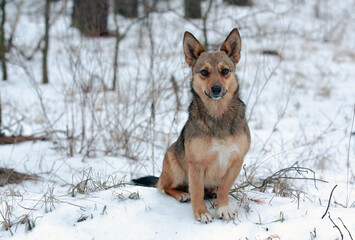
157	216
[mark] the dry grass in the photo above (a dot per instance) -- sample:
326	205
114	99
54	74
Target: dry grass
90	181
10	176
280	182
86	183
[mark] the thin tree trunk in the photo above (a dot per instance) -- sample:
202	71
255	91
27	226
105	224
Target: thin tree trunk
1	134
115	60
127	8
90	17
204	19
46	43
153	90
192	8
115	63
2	41
149	6
242	3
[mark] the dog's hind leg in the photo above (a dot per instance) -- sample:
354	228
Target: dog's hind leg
172	178
177	191
179	195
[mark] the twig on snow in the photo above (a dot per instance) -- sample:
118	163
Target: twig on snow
336	226
330	198
351	237
281	174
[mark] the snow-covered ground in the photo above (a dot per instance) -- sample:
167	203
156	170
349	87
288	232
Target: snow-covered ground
300	107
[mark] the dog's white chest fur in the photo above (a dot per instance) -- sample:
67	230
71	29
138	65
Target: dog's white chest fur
225	149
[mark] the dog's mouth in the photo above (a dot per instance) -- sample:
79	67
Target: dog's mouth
216	96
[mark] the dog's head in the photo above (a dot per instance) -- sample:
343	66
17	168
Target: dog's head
213	73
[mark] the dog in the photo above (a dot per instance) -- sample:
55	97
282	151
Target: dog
208	155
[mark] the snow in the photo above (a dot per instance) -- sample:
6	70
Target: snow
300	107
157	216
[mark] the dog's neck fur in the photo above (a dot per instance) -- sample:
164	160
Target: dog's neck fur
228	120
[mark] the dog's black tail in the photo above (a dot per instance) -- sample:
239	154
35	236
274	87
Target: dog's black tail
147	181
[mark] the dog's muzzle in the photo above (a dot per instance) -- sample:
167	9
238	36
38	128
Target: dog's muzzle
216	92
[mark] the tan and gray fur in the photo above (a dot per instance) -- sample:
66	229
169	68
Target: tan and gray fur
210	149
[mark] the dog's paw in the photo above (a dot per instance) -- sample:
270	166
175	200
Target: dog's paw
225	213
205	218
185	197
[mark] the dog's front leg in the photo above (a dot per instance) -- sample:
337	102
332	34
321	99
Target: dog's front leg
223	210
196	188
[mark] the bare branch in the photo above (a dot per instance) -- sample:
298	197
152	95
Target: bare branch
281	174
330	197
351	237
335	226
348	159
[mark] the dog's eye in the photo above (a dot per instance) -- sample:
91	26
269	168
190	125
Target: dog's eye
204	73
225	71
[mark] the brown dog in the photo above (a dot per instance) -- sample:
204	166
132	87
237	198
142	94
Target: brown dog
210	149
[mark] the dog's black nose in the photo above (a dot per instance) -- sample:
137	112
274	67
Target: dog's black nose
216	90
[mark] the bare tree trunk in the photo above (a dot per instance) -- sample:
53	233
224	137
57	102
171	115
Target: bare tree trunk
46	43
204	19
115	63
90	17
192	8
1	134
241	3
119	36
2	41
149	6
115	60
153	93
127	8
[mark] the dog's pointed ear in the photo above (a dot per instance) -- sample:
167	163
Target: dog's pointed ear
232	45
192	49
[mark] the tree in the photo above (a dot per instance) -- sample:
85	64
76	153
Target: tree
1	134
192	8
90	17
2	41
46	42
149	6
6	42
240	2
127	8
